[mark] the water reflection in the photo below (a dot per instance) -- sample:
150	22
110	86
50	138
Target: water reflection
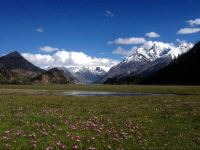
99	93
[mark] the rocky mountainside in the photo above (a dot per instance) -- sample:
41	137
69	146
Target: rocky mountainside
147	59
18	69
54	75
183	70
66	71
15	60
5	74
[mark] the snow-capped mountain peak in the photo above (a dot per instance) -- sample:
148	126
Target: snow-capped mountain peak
151	51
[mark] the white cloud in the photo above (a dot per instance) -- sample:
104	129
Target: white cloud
40	30
69	59
152	35
123	52
188	30
194	22
49	49
128	41
108	13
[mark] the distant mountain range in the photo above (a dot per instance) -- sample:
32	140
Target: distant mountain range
87	74
184	69
14	68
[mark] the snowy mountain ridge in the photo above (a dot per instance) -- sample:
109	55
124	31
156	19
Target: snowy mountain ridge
151	51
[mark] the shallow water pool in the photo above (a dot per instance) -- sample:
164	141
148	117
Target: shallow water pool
101	93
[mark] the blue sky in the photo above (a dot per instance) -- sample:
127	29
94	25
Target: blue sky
88	25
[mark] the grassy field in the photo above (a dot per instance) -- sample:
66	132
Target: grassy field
114	88
28	121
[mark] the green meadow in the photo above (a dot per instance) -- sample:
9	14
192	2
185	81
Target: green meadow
47	121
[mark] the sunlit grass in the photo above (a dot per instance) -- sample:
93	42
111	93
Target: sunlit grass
116	88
